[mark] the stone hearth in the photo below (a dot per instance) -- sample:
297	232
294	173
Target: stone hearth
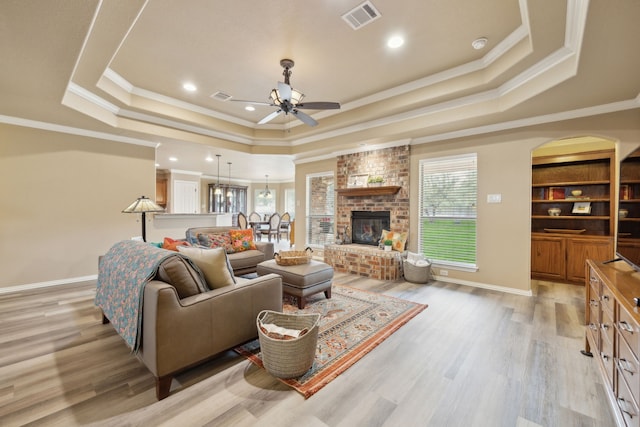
364	260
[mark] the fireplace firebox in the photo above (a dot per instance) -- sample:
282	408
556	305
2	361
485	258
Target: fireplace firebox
367	226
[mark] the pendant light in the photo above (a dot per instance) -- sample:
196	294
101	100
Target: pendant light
229	193
218	190
266	193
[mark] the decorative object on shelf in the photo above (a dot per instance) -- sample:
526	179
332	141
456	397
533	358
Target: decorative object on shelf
582	208
625	192
556	193
375	181
218	190
576	193
266	193
622	213
564	230
387	245
554	211
143	205
357	180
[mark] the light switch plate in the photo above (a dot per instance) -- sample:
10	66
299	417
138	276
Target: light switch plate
494	198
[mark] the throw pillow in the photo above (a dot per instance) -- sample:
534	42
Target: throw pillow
213	263
220	241
399	239
172	245
177	271
242	240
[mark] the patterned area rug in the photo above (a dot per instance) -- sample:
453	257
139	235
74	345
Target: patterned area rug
353	323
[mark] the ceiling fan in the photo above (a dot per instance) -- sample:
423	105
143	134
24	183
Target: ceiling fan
289	101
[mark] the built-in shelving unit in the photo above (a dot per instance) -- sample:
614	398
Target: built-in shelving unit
369	191
582	226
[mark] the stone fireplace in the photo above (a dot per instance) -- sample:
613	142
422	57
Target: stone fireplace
366	226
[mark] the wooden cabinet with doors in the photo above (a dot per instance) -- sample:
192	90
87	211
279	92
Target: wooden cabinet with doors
572	208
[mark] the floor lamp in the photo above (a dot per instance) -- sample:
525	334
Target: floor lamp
143	205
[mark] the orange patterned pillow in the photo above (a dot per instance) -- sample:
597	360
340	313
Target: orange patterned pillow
399	239
242	240
172	245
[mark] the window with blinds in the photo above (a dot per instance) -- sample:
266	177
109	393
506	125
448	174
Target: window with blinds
320	209
448	199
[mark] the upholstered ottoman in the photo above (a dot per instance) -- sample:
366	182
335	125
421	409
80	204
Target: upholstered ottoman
301	280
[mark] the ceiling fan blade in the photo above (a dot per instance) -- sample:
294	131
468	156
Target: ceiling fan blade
319	105
270	117
304	117
285	91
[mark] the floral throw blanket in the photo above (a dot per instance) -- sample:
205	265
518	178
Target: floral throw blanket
123	273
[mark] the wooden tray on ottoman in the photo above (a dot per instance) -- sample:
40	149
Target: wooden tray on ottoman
293	257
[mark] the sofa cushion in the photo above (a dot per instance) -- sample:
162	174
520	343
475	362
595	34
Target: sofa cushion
213	263
216	240
242	240
246	259
178	272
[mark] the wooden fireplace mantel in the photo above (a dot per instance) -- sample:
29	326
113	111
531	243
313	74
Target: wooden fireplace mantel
369	191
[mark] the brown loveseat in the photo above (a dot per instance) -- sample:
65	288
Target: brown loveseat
192	307
179	333
244	262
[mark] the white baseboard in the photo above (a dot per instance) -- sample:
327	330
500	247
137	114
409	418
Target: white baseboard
447	279
29	286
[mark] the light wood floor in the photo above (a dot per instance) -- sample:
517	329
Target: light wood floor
473	358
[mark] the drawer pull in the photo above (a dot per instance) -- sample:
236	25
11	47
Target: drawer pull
605	326
625	365
625	326
593	279
604	356
593	303
593	326
625	407
605	297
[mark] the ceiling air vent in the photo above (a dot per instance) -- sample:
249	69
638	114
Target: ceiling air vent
361	15
220	96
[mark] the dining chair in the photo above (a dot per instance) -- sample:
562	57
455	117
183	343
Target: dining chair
254	221
285	221
274	227
242	221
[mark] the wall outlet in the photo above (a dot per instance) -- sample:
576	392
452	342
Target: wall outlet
444	272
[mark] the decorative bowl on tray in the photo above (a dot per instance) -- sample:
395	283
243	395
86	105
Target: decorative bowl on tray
576	193
554	211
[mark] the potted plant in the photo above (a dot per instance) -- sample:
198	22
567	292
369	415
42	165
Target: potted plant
375	181
387	244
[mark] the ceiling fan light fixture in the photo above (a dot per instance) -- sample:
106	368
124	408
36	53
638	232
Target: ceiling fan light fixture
275	97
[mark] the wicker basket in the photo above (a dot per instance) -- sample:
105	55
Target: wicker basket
288	358
293	257
416	273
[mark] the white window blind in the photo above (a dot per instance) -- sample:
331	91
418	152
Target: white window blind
448	200
320	209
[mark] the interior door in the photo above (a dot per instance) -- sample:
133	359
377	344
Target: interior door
185	197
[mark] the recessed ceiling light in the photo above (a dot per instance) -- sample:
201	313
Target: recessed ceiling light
395	42
157	165
173	159
209	159
479	43
190	87
250	108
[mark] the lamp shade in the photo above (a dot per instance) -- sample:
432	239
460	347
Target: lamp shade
143	204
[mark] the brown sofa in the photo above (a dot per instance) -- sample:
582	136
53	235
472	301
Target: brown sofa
180	333
241	262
